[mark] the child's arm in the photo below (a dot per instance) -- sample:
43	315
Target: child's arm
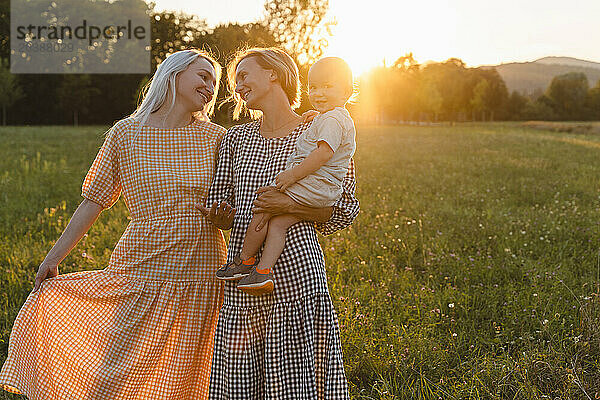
315	160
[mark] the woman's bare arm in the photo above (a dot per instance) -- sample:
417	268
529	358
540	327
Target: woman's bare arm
327	220
81	221
271	201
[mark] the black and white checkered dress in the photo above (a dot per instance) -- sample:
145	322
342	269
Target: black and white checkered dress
285	345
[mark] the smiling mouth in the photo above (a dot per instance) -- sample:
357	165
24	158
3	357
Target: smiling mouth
203	95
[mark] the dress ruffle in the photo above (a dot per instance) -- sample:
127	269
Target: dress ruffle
143	327
100	335
284	345
284	351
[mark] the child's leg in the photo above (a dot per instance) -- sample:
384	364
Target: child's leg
275	241
254	239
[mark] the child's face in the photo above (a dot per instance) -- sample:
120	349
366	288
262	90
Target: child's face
325	90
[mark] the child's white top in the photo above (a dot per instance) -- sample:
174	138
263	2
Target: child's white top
337	129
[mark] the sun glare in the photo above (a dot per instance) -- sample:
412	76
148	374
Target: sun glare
368	34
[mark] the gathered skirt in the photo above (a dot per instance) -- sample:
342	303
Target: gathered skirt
285	350
102	335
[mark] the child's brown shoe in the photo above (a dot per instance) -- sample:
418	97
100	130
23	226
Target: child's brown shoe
234	270
256	283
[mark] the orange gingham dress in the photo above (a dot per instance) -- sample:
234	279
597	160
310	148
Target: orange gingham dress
142	328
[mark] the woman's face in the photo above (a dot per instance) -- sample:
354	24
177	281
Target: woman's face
195	86
252	82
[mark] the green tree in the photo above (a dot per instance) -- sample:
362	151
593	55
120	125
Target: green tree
375	106
75	94
299	27
173	31
542	109
10	91
593	102
226	39
479	102
405	77
452	82
4	28
568	93
516	106
430	99
492	96
447	91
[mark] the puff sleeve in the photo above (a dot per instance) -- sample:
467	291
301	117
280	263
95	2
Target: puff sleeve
345	209
102	184
221	188
330	131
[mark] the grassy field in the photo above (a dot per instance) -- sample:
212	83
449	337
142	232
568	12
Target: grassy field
472	271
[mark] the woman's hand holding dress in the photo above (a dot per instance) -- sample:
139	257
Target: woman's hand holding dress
47	269
81	221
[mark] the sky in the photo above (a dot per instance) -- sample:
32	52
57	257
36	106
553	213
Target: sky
480	32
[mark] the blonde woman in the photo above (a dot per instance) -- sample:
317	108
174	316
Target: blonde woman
282	345
142	328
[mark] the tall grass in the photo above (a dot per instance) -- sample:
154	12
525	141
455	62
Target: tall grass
472	271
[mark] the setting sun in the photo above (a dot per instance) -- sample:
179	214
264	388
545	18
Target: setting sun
366	37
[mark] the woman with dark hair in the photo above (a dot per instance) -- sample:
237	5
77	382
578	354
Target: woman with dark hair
283	345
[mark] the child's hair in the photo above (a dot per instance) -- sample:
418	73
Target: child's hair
155	91
341	70
268	58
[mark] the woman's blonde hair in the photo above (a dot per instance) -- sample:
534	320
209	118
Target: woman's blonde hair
154	93
271	58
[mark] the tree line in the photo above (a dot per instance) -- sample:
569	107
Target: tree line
449	91
403	91
57	99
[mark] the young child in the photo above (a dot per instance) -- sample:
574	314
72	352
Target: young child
313	175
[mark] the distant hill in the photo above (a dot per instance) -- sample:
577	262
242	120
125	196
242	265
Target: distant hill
530	77
573	62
